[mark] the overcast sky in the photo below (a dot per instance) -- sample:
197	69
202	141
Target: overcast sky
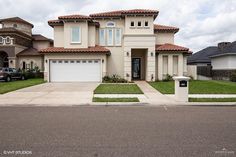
202	22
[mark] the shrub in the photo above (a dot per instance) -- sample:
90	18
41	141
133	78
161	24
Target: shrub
233	77
113	79
32	73
168	78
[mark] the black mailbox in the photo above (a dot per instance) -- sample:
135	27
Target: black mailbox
183	83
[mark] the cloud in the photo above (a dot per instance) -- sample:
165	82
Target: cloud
202	23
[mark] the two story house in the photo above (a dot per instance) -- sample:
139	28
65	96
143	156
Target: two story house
124	42
19	48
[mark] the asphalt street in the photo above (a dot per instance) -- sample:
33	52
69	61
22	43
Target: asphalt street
118	131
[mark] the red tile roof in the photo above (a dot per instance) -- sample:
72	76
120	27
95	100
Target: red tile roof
84	17
163	28
16	19
95	49
171	47
119	13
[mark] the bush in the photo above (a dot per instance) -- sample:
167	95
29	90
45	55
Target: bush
233	77
168	78
32	73
113	79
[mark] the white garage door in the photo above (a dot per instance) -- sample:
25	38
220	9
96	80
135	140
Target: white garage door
75	70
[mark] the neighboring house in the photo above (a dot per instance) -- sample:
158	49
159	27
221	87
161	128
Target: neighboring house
124	42
19	48
216	62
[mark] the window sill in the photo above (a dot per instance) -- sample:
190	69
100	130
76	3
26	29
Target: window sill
75	42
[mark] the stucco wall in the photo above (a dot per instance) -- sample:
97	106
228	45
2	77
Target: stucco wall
159	69
41	44
192	71
162	38
140	42
22	27
37	60
91	35
136	29
48	57
58	36
84	35
224	62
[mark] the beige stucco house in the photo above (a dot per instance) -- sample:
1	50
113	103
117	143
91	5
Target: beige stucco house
19	48
124	42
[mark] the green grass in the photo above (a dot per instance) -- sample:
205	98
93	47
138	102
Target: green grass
199	87
14	85
115	99
212	99
118	89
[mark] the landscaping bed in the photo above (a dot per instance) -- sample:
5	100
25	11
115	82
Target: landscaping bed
115	100
198	87
15	85
118	89
212	99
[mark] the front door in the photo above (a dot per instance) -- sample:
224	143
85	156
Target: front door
136	68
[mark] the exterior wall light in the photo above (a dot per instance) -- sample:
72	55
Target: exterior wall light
127	75
46	61
127	53
102	60
11	61
151	53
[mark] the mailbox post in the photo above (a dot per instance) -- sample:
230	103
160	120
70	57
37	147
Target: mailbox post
181	88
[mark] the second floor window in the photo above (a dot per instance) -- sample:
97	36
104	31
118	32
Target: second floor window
102	37
132	24
146	23
139	23
110	37
75	35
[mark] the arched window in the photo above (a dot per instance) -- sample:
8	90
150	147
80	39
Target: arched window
111	24
1	40
31	65
23	65
8	40
15	25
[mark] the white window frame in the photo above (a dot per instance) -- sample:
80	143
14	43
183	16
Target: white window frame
114	24
104	37
8	38
80	35
133	25
120	37
138	25
147	23
1	41
112	37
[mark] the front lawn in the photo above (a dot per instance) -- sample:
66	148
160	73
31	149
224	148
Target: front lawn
14	85
115	99
198	87
212	99
118	89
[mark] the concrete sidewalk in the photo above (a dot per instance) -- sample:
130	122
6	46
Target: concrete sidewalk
153	96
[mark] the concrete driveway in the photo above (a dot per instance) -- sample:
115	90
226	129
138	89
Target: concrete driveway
51	94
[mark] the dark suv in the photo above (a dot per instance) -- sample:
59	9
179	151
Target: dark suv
8	74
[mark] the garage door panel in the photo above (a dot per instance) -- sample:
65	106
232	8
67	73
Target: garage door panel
75	71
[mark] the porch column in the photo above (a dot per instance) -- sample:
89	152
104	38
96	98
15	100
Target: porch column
151	62
180	65
12	62
170	65
127	64
160	66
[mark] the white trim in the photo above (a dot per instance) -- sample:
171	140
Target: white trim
80	35
104	37
120	38
112	37
8	42
114	24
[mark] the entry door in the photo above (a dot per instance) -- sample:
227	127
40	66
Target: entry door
75	71
136	68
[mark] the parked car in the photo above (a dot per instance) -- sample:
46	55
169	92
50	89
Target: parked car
8	74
